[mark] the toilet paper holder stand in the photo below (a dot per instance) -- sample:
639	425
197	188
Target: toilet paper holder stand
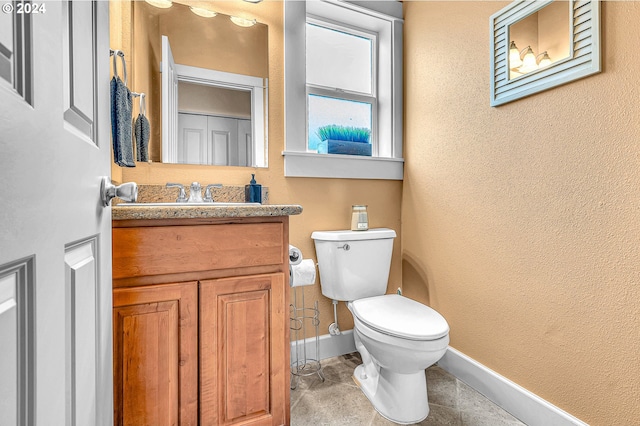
305	351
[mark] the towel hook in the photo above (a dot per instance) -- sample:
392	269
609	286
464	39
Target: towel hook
115	54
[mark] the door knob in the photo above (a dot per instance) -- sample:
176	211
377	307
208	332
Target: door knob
127	191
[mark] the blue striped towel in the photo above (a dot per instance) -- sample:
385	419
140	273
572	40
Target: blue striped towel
142	130
121	107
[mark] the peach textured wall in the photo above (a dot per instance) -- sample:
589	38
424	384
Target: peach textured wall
326	202
521	223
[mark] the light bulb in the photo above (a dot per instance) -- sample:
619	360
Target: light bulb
514	56
529	61
162	4
205	13
242	22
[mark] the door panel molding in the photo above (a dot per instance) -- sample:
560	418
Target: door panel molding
80	73
82	330
243	322
17	334
16	43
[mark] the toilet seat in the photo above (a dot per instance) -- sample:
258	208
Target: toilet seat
401	317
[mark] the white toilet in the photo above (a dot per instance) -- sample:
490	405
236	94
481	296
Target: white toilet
398	338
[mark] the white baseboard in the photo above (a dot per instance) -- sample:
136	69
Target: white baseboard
329	346
522	404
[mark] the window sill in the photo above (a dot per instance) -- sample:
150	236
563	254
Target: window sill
308	164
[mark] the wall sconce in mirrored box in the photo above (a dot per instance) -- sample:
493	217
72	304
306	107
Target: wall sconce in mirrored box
566	33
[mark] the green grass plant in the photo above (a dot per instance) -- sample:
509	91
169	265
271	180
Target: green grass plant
344	133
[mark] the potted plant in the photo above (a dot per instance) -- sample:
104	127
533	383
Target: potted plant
347	140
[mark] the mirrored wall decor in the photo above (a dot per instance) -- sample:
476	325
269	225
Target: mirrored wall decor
537	45
206	80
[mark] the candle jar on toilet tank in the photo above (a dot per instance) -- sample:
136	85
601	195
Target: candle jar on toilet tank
359	218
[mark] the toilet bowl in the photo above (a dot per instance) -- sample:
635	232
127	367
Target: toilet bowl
398	338
392	375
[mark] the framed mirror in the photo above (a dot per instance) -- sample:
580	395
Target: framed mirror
205	78
537	45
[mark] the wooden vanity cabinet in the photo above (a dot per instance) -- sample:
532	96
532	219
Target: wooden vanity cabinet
200	321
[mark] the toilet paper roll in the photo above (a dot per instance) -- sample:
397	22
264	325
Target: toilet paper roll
295	255
302	274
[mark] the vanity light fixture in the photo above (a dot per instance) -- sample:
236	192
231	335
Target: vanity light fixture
253	1
162	4
545	61
201	11
242	22
527	63
514	56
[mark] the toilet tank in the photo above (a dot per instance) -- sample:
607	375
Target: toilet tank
354	264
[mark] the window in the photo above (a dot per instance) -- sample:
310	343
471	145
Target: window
340	65
343	68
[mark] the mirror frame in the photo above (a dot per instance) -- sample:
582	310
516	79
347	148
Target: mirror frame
584	50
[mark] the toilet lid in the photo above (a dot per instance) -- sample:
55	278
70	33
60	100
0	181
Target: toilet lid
399	316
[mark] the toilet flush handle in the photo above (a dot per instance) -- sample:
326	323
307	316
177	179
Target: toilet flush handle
345	247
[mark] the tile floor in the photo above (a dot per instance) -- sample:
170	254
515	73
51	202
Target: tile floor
338	401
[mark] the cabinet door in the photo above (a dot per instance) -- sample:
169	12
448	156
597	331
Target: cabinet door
155	355
244	351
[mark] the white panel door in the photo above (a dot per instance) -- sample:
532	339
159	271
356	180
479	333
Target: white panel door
223	137
55	236
192	139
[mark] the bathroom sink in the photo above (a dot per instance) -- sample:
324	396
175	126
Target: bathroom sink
213	204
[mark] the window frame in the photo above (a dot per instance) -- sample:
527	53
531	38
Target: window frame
382	18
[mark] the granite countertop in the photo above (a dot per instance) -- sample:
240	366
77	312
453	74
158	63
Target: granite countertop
155	193
200	211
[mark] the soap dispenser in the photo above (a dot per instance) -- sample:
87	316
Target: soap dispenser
253	191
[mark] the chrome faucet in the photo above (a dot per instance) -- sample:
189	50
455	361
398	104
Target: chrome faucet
182	196
195	193
208	198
